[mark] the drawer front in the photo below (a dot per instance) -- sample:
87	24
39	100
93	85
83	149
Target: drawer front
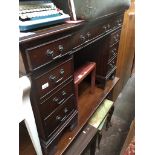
113	52
78	39
56	100
51	79
42	54
115	37
111	65
59	116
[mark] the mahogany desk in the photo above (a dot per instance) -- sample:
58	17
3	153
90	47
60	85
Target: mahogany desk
49	58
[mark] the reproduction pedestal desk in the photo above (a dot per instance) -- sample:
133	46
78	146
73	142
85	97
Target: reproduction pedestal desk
49	58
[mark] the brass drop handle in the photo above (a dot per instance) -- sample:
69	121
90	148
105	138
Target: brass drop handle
104	28
108	26
88	34
111	65
53	78
58	118
55	99
82	37
115	38
50	53
62	71
61	48
65	110
113	51
63	93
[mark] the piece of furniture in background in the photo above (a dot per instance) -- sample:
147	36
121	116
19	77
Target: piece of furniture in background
26	113
126	51
81	73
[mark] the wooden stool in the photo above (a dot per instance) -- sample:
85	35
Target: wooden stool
81	73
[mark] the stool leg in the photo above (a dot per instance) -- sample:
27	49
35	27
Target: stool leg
76	92
93	80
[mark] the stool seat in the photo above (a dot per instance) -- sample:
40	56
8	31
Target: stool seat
81	73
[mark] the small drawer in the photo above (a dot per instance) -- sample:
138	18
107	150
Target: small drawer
113	52
115	37
54	77
48	52
59	116
79	39
57	99
111	65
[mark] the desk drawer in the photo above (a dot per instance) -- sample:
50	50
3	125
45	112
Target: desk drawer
56	100
115	37
113	52
54	77
111	65
59	116
48	52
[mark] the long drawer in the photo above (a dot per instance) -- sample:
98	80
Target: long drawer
42	54
59	116
48	81
56	99
95	30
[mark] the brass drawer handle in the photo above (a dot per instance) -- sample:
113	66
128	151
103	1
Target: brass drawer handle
108	26
54	79
104	28
49	53
65	110
64	93
62	71
56	100
88	34
61	48
58	118
82	38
